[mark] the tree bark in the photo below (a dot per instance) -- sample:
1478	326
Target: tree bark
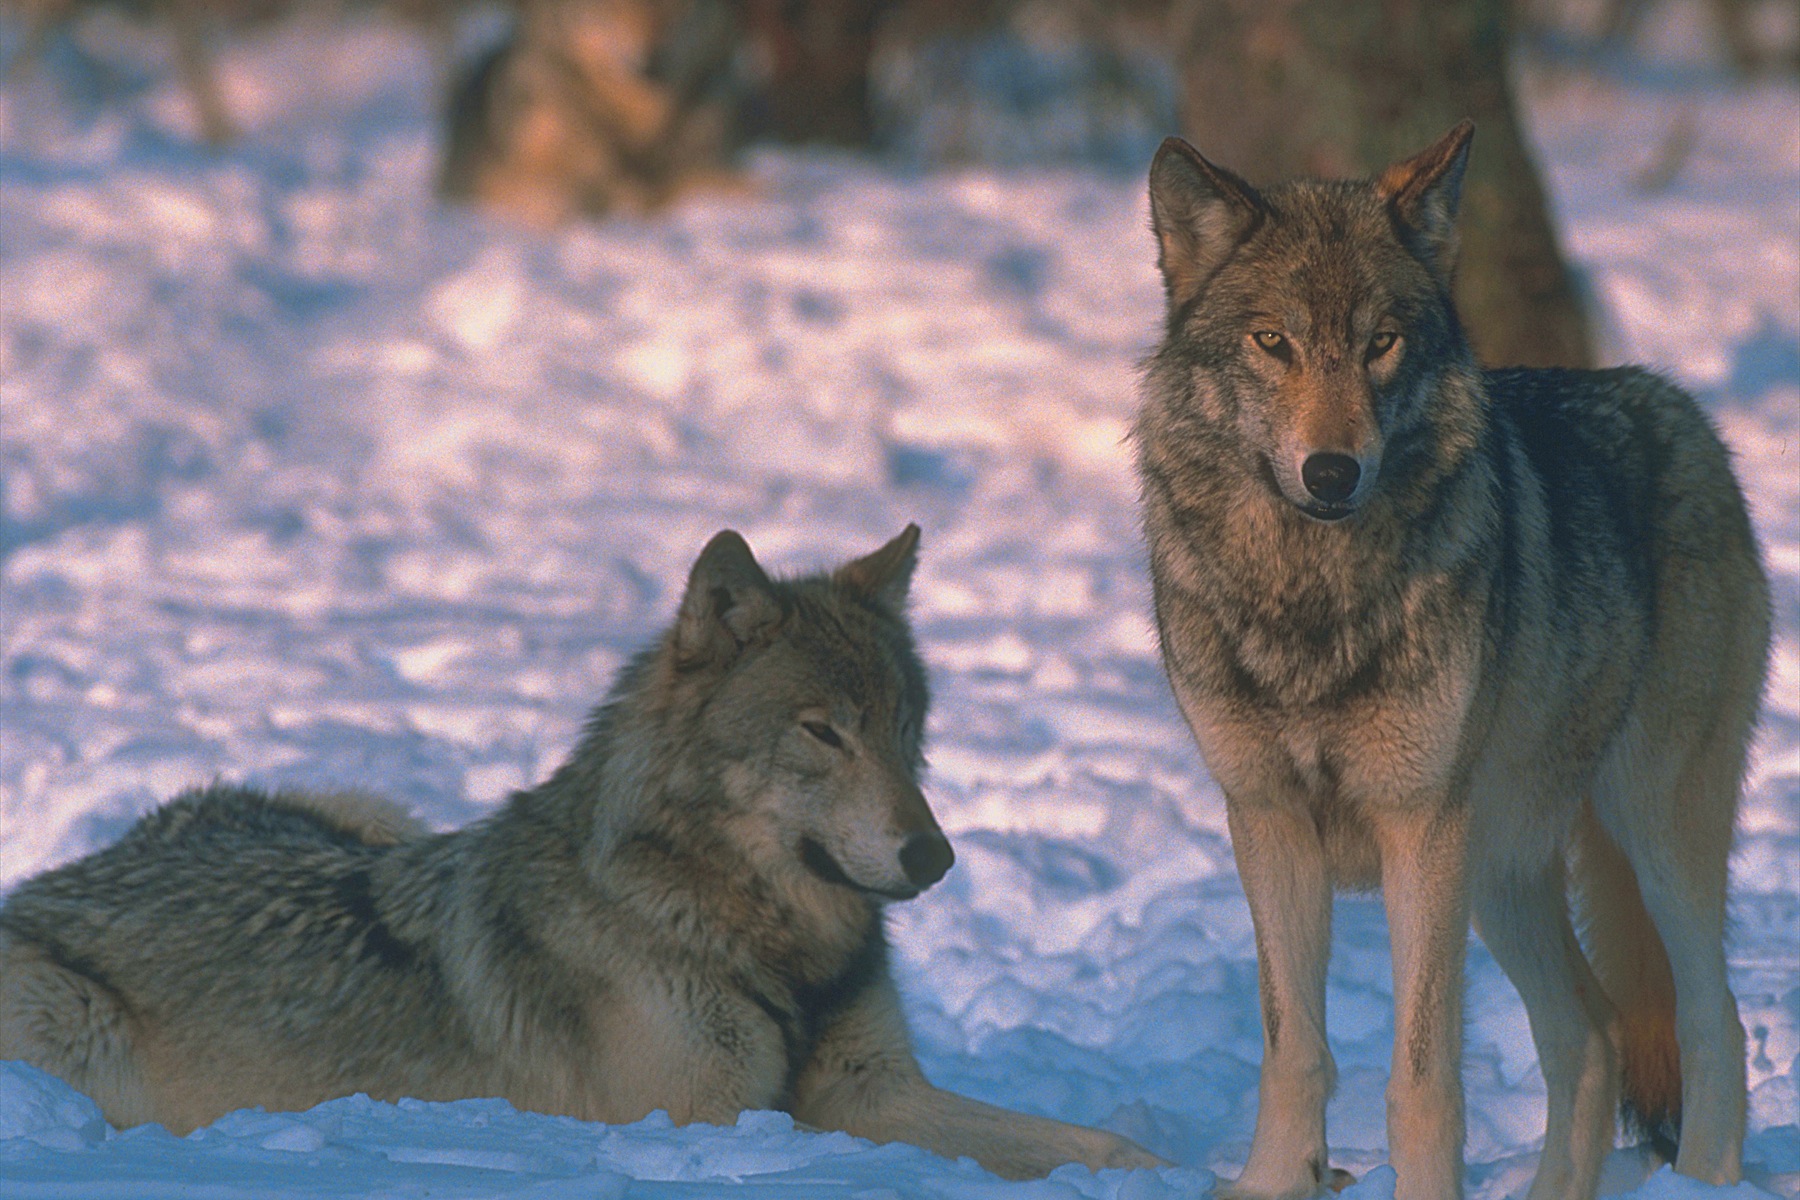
817	60
1278	88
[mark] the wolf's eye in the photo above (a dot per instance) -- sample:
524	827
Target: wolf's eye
1272	342
824	733
1381	343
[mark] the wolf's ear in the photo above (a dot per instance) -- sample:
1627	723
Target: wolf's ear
729	604
1422	192
884	575
1200	214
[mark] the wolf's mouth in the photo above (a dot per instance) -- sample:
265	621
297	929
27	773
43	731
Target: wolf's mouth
817	859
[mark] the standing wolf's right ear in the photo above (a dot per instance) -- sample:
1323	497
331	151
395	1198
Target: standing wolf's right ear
1200	214
729	604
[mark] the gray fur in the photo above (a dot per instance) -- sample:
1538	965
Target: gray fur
685	916
1530	643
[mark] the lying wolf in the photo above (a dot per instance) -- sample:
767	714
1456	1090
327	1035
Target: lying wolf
685	916
1479	638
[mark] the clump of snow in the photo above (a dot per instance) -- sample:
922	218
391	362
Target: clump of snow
360	1147
307	481
1667	1185
42	1110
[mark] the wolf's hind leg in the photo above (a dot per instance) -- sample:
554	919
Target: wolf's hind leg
63	1022
1523	919
1678	842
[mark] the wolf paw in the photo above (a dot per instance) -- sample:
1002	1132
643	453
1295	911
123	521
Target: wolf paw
1128	1154
1329	1182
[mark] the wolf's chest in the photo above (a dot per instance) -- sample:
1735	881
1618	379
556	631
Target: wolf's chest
1277	644
1332	698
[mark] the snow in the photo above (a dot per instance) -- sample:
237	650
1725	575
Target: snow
308	481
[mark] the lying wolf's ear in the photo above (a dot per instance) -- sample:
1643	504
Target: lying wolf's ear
729	604
1422	193
884	575
1200	213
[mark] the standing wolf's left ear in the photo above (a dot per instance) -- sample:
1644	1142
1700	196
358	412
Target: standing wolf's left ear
885	575
1422	192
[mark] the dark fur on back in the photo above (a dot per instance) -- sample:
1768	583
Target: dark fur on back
232	868
1477	637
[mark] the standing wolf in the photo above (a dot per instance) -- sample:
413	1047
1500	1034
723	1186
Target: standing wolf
1481	638
685	916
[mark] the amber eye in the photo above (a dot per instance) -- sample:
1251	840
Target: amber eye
824	733
1273	344
1381	343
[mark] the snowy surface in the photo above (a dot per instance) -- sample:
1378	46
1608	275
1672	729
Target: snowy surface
308	481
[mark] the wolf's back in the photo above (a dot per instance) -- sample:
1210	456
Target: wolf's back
1628	448
227	926
200	879
1646	521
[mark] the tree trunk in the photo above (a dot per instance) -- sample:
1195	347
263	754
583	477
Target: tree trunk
1278	88
816	56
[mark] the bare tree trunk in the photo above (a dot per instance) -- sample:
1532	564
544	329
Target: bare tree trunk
1277	88
817	55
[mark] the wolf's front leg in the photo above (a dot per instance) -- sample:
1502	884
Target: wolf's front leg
1282	864
1424	884
864	1080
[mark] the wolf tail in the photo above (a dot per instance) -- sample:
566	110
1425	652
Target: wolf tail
1633	968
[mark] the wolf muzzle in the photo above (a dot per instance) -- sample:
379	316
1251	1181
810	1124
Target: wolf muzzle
1332	481
1330	478
925	857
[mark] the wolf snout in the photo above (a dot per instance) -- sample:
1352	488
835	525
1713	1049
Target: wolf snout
1330	478
1329	485
925	857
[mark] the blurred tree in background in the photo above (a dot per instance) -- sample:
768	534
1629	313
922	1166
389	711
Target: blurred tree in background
591	123
1277	88
1272	89
812	57
1015	82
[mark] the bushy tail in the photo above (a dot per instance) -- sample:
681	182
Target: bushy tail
1628	957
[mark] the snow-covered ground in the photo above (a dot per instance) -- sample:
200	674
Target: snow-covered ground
309	481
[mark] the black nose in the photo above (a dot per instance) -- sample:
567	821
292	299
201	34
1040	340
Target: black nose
1331	478
925	858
